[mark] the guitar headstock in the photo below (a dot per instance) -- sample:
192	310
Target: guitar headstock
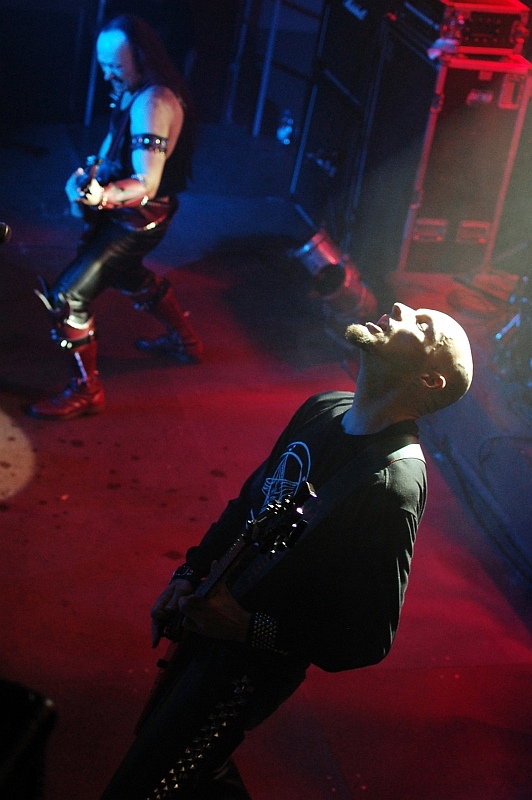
282	522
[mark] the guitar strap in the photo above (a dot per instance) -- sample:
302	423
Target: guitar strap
367	462
121	128
348	479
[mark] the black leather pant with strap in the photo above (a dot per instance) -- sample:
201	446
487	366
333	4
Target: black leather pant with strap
183	748
109	256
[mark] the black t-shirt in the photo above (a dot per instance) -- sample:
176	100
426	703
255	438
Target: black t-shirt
338	593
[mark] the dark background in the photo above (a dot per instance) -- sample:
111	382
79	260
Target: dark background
45	63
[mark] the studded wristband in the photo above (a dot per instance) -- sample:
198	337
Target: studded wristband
262	633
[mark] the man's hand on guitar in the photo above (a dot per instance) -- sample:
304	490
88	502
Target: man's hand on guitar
166	607
83	192
218	615
71	186
93	193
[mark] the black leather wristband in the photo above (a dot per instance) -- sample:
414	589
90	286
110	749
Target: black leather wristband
184	572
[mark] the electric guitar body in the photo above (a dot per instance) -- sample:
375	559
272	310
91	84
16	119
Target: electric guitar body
276	530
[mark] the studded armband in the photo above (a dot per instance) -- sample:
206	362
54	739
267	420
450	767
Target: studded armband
149	141
262	633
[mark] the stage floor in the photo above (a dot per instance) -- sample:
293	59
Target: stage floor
97	512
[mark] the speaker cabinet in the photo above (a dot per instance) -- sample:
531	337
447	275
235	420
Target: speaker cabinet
323	164
345	62
349	42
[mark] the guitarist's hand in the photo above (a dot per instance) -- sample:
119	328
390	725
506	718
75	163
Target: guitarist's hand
218	615
93	193
73	193
71	187
166	606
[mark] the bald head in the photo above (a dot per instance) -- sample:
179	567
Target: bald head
116	58
451	357
423	350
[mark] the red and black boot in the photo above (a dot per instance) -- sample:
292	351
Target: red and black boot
84	393
181	342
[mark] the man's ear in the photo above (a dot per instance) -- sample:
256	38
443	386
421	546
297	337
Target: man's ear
433	380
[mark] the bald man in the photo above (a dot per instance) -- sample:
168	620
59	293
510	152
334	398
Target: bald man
332	594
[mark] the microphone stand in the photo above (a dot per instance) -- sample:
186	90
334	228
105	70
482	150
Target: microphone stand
512	358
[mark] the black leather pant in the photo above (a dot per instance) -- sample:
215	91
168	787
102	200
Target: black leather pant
108	256
225	691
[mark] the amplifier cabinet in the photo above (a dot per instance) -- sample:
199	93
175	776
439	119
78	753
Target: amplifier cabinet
348	43
440	149
328	145
345	62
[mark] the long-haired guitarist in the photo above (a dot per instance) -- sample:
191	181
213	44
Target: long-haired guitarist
127	195
280	581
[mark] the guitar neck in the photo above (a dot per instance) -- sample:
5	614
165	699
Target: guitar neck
222	567
218	572
277	529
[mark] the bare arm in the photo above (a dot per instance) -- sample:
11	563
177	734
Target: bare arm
156	112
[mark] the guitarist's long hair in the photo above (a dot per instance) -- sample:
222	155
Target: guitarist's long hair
156	67
149	53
